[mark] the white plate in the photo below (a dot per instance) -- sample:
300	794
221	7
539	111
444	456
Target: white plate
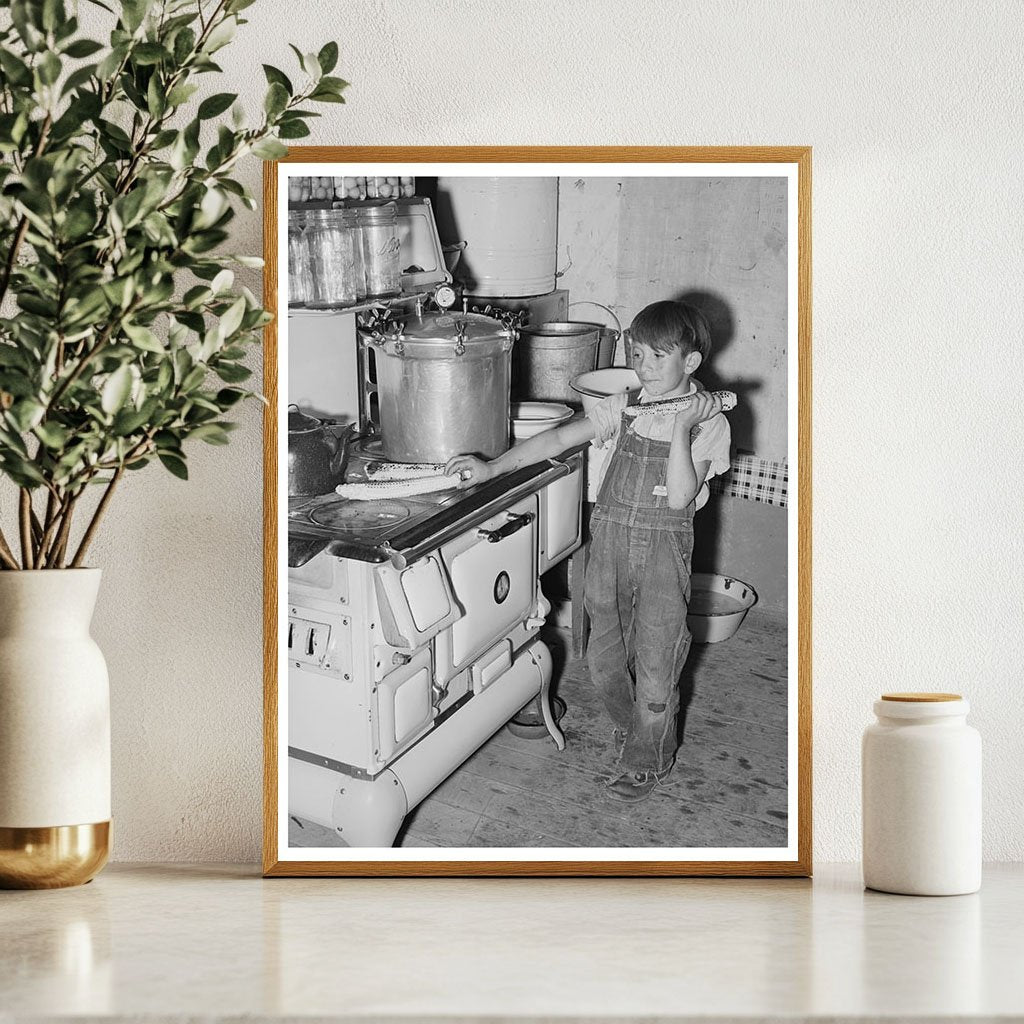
541	412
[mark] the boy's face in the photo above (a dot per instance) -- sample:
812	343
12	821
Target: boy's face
663	373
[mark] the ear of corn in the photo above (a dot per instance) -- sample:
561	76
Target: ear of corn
375	490
403	470
670	406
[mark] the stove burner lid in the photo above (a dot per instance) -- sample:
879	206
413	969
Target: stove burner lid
348	515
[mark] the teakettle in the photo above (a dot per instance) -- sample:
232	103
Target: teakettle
316	455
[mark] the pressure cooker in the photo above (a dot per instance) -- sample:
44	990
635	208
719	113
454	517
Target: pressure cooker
442	385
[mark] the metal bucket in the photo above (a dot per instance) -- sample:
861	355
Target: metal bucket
508	227
548	356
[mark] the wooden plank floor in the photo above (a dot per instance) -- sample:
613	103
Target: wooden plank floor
728	788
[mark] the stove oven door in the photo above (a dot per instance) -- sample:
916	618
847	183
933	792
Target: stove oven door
561	510
493	569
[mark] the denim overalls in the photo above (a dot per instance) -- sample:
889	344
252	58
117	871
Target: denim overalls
637	590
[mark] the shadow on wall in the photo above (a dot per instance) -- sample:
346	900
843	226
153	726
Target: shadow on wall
723	333
734	536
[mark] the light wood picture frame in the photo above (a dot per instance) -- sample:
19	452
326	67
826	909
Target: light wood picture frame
737	221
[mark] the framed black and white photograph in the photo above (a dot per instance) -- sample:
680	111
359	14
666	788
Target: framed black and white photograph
537	511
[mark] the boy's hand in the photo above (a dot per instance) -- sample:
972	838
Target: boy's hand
472	470
705	404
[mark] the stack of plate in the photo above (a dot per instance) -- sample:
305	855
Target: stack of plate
529	418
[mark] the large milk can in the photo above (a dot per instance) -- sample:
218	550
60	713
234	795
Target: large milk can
510	227
443	387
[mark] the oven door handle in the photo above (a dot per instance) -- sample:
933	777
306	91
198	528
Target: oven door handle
515	522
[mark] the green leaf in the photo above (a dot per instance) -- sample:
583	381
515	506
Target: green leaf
181	94
276	100
83	48
269	149
334	84
232	319
144	338
293	130
254	262
53	435
228	397
145	54
133	13
232	373
328	57
279	77
211	433
16	70
221	35
184	44
49	68
326	96
222	281
175	465
26	413
214	105
116	390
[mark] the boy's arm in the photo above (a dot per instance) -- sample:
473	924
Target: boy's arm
684	477
545	445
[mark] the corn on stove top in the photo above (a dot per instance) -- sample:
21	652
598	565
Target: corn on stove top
413	636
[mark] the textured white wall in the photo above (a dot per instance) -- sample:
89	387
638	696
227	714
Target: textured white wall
913	110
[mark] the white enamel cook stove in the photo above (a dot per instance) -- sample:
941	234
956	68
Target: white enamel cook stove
413	637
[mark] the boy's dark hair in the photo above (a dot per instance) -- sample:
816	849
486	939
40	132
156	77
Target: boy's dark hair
667	325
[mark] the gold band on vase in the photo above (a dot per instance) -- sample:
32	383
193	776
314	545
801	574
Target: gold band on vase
52	857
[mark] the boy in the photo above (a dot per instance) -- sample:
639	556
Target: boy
638	572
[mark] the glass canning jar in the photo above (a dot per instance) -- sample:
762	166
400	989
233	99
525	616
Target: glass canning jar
333	264
381	249
351	220
300	285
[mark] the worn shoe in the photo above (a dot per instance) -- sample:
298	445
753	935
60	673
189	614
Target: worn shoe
634	786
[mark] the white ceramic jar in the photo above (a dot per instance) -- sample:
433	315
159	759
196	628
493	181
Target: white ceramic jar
921	789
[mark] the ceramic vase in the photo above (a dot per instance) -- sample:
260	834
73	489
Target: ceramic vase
54	731
921	777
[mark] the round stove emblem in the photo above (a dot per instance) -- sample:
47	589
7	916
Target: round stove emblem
502	585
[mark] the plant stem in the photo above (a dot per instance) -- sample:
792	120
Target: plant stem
54	510
19	234
96	517
25	521
6	555
60	544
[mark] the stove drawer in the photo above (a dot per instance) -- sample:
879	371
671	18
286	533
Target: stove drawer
415	603
404	705
561	511
493	569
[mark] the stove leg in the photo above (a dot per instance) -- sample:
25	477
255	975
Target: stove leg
542	657
369	812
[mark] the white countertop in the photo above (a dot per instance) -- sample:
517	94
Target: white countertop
217	941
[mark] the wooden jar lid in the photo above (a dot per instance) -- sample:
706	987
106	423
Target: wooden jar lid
921	698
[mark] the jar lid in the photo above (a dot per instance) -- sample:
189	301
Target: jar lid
384	213
921	706
921	698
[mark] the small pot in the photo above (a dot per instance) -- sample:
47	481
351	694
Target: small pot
316	455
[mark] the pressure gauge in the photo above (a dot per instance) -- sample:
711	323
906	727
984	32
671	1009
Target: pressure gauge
444	296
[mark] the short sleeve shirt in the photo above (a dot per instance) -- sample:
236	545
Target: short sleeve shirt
710	440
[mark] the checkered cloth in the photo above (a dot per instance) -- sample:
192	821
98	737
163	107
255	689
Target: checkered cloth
755	479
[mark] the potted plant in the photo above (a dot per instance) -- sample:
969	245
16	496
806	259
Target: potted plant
122	339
